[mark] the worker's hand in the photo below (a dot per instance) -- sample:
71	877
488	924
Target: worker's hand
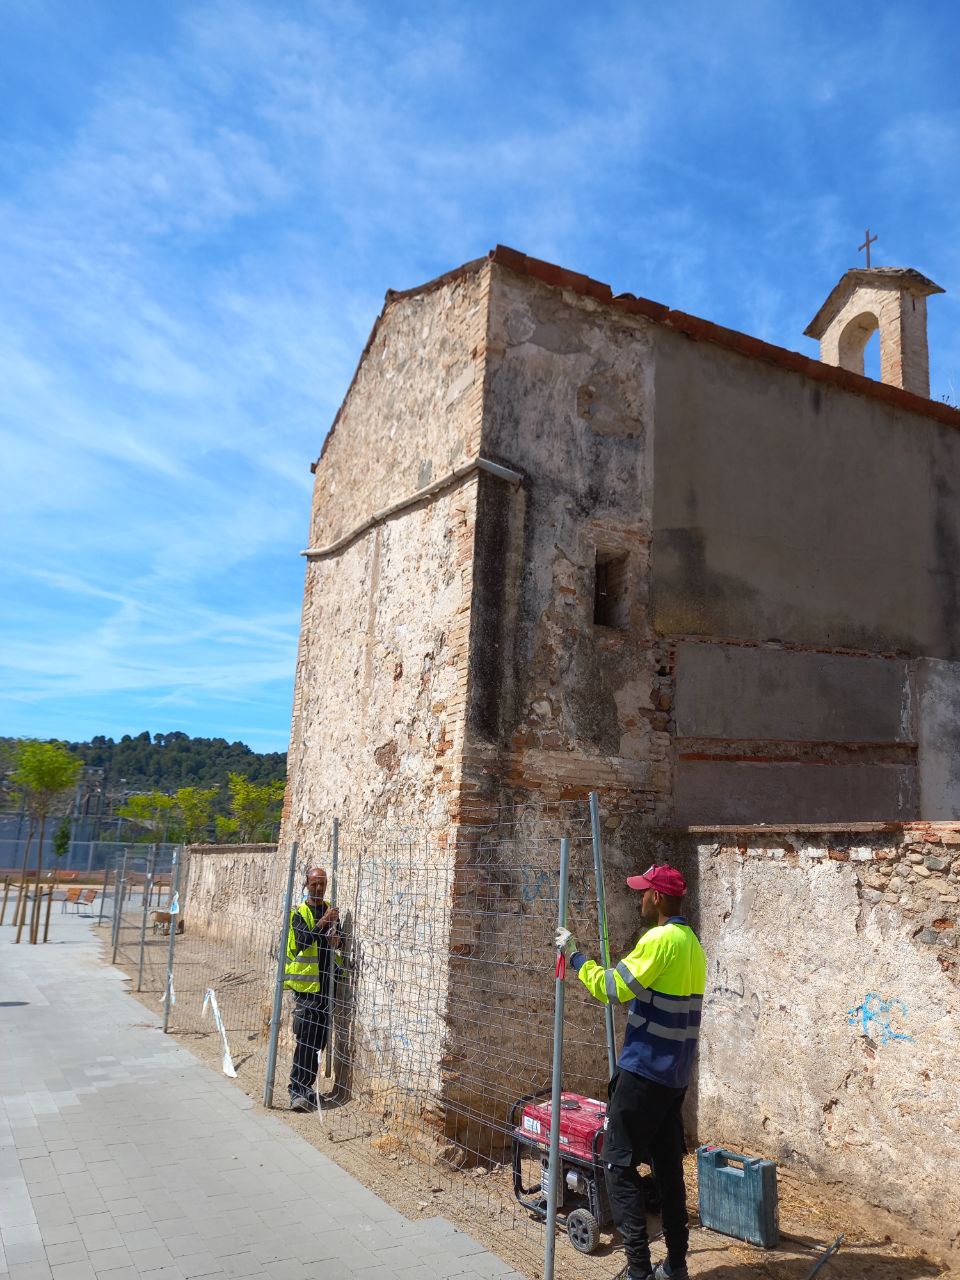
565	941
330	916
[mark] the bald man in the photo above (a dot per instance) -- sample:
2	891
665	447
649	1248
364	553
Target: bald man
313	935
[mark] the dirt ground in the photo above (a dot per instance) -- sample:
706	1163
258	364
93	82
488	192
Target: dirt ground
876	1246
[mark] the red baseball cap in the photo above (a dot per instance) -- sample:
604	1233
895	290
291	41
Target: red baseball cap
664	879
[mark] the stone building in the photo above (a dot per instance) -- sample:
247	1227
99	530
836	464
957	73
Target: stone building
564	540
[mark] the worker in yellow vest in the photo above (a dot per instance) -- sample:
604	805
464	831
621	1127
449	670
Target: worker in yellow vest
663	979
312	938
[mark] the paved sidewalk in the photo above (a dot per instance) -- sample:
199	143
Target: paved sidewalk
122	1156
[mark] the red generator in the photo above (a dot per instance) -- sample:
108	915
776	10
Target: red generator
582	1204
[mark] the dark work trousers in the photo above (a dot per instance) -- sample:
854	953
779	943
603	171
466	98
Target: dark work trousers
310	1023
644	1122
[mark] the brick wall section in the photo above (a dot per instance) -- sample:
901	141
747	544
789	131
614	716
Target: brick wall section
381	689
902	321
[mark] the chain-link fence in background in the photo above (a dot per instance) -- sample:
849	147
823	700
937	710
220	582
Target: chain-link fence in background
439	1062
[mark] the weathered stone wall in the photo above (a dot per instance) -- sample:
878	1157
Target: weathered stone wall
229	892
382	668
557	703
413	411
831	1039
380	691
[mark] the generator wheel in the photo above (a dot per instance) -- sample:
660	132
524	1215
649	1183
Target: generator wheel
583	1230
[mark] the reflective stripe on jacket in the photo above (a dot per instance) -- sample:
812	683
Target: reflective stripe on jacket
305	970
663	978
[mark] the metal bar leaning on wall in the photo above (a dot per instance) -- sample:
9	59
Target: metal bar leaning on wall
550	1242
172	933
118	914
602	922
332	967
278	985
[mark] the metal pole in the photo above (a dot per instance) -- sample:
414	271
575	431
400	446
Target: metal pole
556	1085
119	885
119	923
146	896
172	931
332	966
278	986
602	921
6	892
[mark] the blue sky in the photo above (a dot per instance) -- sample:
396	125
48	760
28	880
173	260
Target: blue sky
202	204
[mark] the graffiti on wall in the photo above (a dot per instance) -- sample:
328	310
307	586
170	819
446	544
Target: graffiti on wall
876	1016
733	987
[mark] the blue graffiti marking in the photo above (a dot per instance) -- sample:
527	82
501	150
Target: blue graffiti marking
874	1015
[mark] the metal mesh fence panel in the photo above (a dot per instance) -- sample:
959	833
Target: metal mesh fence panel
442	1012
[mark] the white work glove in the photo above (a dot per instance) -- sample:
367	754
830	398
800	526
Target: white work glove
565	941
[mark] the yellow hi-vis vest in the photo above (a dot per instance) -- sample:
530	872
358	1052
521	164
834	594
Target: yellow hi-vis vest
302	972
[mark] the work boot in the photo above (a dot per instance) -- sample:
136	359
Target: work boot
663	1271
626	1274
300	1103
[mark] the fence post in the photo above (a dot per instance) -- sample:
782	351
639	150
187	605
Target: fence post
332	966
556	1083
278	986
119	884
118	919
172	932
146	896
6	892
602	921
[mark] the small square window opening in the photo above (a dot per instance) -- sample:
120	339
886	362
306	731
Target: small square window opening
610	603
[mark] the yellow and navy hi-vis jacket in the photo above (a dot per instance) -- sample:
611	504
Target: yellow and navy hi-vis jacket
664	978
307	959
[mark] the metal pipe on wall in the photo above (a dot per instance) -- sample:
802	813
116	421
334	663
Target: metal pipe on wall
278	985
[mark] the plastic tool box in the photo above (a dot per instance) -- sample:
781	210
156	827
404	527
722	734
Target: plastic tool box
738	1196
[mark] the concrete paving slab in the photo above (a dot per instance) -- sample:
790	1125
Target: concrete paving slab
122	1157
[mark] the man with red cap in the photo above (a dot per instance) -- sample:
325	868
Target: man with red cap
663	978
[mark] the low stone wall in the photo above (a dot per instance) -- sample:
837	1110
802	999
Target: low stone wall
228	890
830	1035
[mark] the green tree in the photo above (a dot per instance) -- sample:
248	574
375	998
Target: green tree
226	828
255	807
154	811
196	811
42	772
61	839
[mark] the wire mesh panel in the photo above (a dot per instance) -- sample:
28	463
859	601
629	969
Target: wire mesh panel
442	1008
